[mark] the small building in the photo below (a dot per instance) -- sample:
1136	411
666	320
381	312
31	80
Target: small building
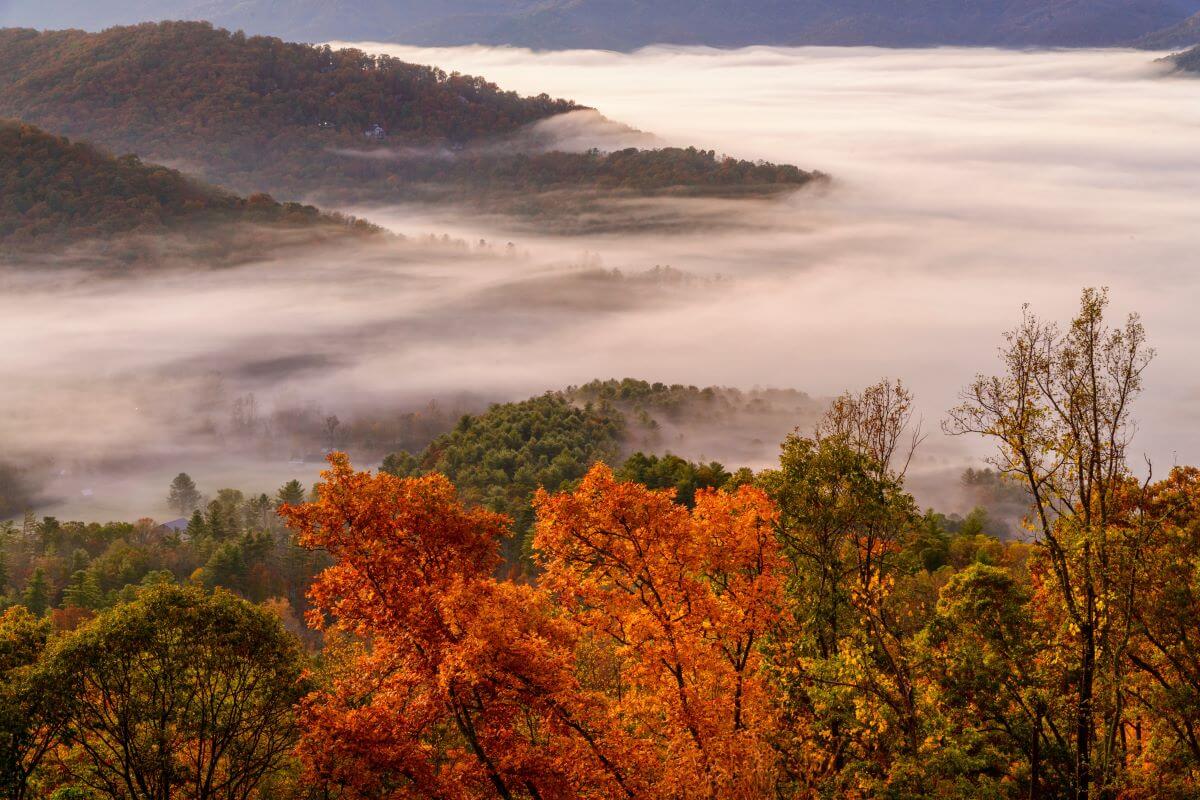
375	133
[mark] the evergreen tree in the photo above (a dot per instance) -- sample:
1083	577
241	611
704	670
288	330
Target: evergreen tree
37	593
83	591
183	497
291	493
79	560
260	512
197	528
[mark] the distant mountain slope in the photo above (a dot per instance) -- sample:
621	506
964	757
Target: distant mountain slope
259	113
1176	37
53	190
628	24
1188	60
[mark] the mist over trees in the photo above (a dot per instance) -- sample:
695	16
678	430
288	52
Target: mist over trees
57	191
620	588
675	629
262	115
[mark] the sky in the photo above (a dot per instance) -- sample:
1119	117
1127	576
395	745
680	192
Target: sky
964	184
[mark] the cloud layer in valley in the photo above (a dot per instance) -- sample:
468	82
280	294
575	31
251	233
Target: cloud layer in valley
966	182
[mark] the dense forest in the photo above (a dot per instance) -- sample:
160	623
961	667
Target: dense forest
500	458
260	114
57	191
683	630
629	24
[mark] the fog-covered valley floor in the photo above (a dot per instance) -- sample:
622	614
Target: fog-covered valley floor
965	183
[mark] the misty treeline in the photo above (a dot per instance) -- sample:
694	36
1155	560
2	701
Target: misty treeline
682	630
498	458
1188	60
259	114
56	191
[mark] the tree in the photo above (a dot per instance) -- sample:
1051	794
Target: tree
36	596
1165	651
996	696
260	513
845	659
178	692
455	684
29	707
1060	416
685	601
290	494
673	472
83	591
184	498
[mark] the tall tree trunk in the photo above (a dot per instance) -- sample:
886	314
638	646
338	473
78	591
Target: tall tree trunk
1083	733
1035	757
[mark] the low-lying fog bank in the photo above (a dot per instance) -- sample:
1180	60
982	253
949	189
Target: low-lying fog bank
966	183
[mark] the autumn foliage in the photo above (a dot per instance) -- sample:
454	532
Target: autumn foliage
673	605
632	669
457	684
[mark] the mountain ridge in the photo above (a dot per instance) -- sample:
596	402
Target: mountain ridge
630	24
260	114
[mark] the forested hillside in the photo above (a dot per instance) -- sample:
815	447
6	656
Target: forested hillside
1188	60
259	114
501	457
628	24
55	190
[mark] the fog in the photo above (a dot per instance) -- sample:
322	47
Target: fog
965	183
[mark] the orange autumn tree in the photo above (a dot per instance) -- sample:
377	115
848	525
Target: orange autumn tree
672	607
448	683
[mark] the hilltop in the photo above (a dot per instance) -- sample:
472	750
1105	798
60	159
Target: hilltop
257	113
629	24
56	191
1185	34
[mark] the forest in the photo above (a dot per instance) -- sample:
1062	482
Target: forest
56	190
258	114
523	610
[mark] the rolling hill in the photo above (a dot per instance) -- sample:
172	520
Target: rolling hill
628	24
1188	60
55	191
257	113
1176	37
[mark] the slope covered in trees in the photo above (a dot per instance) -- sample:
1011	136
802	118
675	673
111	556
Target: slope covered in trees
261	114
1188	60
55	190
501	457
628	24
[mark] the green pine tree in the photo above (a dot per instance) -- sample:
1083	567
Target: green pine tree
291	493
37	593
83	591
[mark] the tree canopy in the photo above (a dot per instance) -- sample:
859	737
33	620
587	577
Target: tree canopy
56	190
